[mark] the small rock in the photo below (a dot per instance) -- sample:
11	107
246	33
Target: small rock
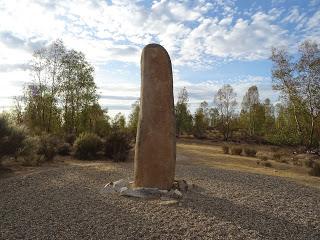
108	188
163	191
183	186
147	193
175	193
168	202
123	189
120	183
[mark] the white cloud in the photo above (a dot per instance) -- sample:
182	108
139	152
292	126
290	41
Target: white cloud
197	34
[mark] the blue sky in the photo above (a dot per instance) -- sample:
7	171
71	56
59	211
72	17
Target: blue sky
211	43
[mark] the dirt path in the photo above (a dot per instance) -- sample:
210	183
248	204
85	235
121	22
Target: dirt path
64	202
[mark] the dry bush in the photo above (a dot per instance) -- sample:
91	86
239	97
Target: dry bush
117	146
309	163
236	150
225	149
87	145
70	138
12	138
251	152
266	164
263	158
48	146
315	170
64	149
277	156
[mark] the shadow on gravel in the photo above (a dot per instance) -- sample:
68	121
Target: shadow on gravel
5	172
268	226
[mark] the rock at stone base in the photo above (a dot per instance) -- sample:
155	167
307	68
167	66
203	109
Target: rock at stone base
174	193
120	184
147	193
169	202
108	188
181	185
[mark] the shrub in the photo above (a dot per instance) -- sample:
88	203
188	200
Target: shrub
266	164
277	156
117	146
12	138
64	149
251	152
87	145
315	170
225	149
263	158
236	151
70	138
48	146
309	163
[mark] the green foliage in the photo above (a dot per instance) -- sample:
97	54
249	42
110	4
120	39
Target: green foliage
117	146
134	118
251	152
182	113
119	122
297	79
62	96
225	149
87	145
225	101
201	121
93	119
236	150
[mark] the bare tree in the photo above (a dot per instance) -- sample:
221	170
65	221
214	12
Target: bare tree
225	100
308	68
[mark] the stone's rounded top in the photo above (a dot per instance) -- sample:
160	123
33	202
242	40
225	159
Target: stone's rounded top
155	46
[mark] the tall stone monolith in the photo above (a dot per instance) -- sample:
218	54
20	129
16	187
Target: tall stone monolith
155	153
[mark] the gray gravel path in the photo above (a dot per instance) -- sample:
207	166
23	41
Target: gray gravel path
65	203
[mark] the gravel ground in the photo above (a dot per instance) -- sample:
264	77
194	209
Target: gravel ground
64	202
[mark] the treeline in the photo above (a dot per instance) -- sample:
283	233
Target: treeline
294	121
59	113
59	110
62	97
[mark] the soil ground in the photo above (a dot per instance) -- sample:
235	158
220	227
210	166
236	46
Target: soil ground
238	200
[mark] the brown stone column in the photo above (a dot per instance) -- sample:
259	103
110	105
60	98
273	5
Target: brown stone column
155	153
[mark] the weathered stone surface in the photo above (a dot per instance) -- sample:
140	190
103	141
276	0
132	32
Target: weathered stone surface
155	153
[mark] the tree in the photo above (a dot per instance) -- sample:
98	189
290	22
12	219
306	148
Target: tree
119	122
213	117
95	120
183	115
201	122
252	111
308	68
299	83
62	95
269	115
225	100
134	118
77	90
41	95
284	81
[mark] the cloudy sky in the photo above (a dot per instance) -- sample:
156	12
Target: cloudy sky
211	43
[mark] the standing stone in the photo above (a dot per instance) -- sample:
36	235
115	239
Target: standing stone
155	153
